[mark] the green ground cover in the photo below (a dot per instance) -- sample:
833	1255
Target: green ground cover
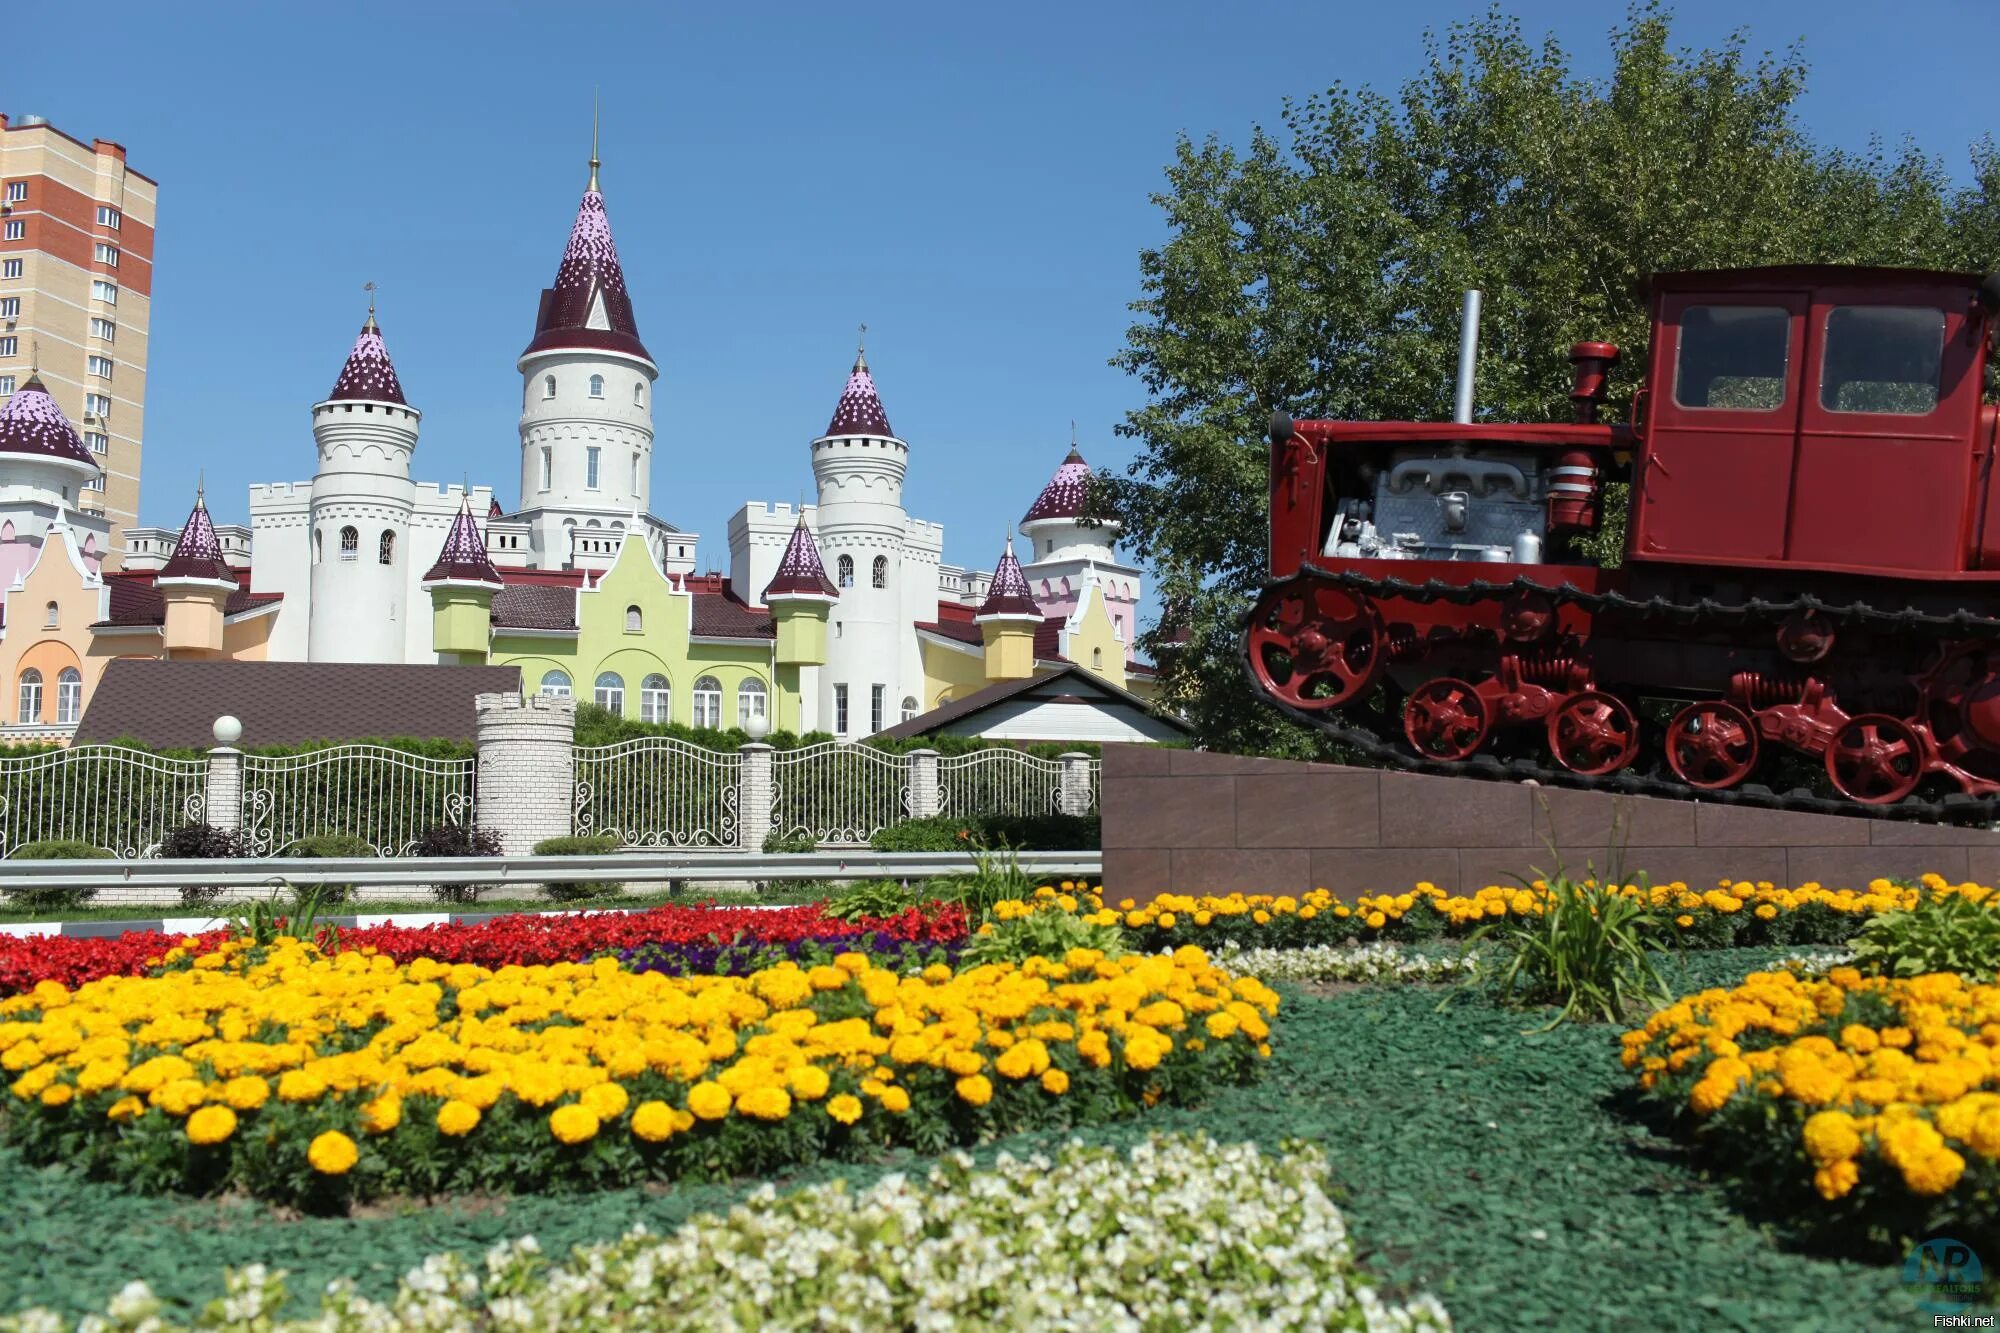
1495	1170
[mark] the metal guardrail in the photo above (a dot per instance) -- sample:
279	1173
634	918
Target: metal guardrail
522	871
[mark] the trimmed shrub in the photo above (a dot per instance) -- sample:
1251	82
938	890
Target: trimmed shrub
952	833
330	844
457	840
593	844
54	849
200	841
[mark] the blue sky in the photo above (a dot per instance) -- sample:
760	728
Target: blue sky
972	182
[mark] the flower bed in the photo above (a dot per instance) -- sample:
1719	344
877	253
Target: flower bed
741	957
316	1079
1873	1101
1731	915
73	960
1181	1225
1376	962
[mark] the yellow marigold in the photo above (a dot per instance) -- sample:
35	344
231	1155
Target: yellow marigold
1830	1137
894	1100
654	1122
765	1103
296	1085
456	1118
1144	1049
964	1063
382	1114
573	1123
58	1094
101	1074
846	1108
1859	1038
1221	1025
975	1089
211	1124
1985	1134
1896	1037
126	1108
1766	911
709	1101
808	1083
246	1093
1835	1179
1684	921
1933	1172
332	1153
1376	920
1023	1060
1055	1082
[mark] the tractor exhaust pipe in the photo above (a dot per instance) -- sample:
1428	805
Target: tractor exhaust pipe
1468	358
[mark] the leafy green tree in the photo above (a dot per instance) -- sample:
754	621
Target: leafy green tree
1320	271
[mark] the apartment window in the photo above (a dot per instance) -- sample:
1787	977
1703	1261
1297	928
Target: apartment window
107	292
105	254
635	620
52	616
548	465
107	216
610	693
10	268
846	568
101	366
69	696
31	697
10	306
17	191
751	701
97	405
880	576
590	460
103	329
840	710
597	386
10	346
385	550
6	384
655	699
95	483
556	683
350	543
708	702
16	230
876	694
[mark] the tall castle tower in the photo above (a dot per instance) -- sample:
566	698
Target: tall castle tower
858	465
587	397
362	499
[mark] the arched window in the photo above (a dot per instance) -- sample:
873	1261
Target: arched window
635	621
597	386
31	697
655	699
751	701
385	550
909	706
846	571
880	577
51	616
610	692
548	386
708	702
556	683
1097	659
69	696
639	394
350	543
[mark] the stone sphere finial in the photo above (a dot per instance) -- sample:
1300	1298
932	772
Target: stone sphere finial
227	730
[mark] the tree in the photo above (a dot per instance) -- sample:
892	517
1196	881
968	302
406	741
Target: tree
1323	275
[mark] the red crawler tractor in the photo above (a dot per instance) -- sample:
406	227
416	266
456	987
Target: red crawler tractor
1812	562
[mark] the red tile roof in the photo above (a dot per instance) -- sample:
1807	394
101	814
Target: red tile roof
799	569
197	554
368	377
135	602
589	273
534	606
31	423
722	615
859	411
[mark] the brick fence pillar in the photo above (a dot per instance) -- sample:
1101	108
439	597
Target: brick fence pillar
527	768
754	796
222	795
924	794
1075	798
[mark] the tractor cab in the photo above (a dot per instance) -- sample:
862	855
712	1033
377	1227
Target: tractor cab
1819	418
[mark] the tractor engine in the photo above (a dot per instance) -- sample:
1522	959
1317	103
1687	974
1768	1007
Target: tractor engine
1489	505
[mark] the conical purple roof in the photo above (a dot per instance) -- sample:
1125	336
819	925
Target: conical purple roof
799	569
368	377
589	307
1009	595
859	411
32	424
198	554
463	559
1063	496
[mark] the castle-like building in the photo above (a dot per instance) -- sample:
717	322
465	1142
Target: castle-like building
839	615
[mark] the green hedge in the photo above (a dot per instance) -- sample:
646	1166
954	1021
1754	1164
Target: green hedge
56	899
950	833
593	844
599	726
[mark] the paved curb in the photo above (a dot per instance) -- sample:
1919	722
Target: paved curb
196	925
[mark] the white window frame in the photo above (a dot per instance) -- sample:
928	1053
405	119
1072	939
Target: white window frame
609	692
752	700
878	575
909	706
350	543
597	386
52	616
103	330
6	384
10	346
592	459
97	405
840	710
10	307
845	566
29	698
708	702
548	466
17	230
69	697
656	699
878	698
556	684
98	441
17	192
107	216
95	483
103	252
635	620
101	290
100	366
10	268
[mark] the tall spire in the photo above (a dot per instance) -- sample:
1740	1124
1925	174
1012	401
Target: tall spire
463	558
859	411
594	163
198	553
368	376
1009	594
588	307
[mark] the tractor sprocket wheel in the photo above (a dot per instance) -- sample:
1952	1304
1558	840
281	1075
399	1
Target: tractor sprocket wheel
1875	759
1330	642
1593	733
1712	745
1446	719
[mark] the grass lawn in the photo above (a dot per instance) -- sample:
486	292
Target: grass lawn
1490	1168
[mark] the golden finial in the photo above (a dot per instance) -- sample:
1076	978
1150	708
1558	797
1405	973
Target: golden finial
371	326
594	163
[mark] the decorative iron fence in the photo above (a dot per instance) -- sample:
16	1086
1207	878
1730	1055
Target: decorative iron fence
386	797
999	782
124	801
840	794
656	791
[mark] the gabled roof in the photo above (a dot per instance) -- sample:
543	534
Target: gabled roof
175	703
463	558
198	554
33	425
588	307
1063	496
368	376
859	411
136	604
800	572
1068	683
1009	595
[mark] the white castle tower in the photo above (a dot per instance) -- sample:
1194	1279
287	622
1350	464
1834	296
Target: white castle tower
362	500
858	465
1065	553
587	410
